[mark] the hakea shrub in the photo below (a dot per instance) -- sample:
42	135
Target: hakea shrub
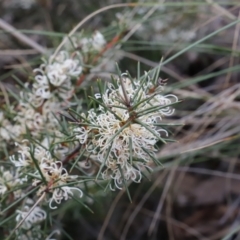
119	131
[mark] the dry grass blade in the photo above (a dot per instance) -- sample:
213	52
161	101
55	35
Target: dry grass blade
109	214
21	37
140	204
234	47
161	201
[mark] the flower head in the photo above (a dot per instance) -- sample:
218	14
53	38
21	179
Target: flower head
32	217
123	131
56	177
95	43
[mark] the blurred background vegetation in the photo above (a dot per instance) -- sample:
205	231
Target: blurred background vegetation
196	193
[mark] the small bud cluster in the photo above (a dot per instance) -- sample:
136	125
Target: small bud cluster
95	43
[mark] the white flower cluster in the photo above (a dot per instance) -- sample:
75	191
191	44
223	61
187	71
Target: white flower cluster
55	176
24	158
95	43
10	180
6	180
36	215
122	132
8	130
51	91
54	78
50	94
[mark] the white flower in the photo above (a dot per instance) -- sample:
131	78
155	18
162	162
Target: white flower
128	171
50	108
30	218
66	90
63	193
9	180
62	69
81	134
41	87
6	129
5	132
6	180
54	78
28	118
38	120
57	177
3	187
94	43
21	160
98	41
24	157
